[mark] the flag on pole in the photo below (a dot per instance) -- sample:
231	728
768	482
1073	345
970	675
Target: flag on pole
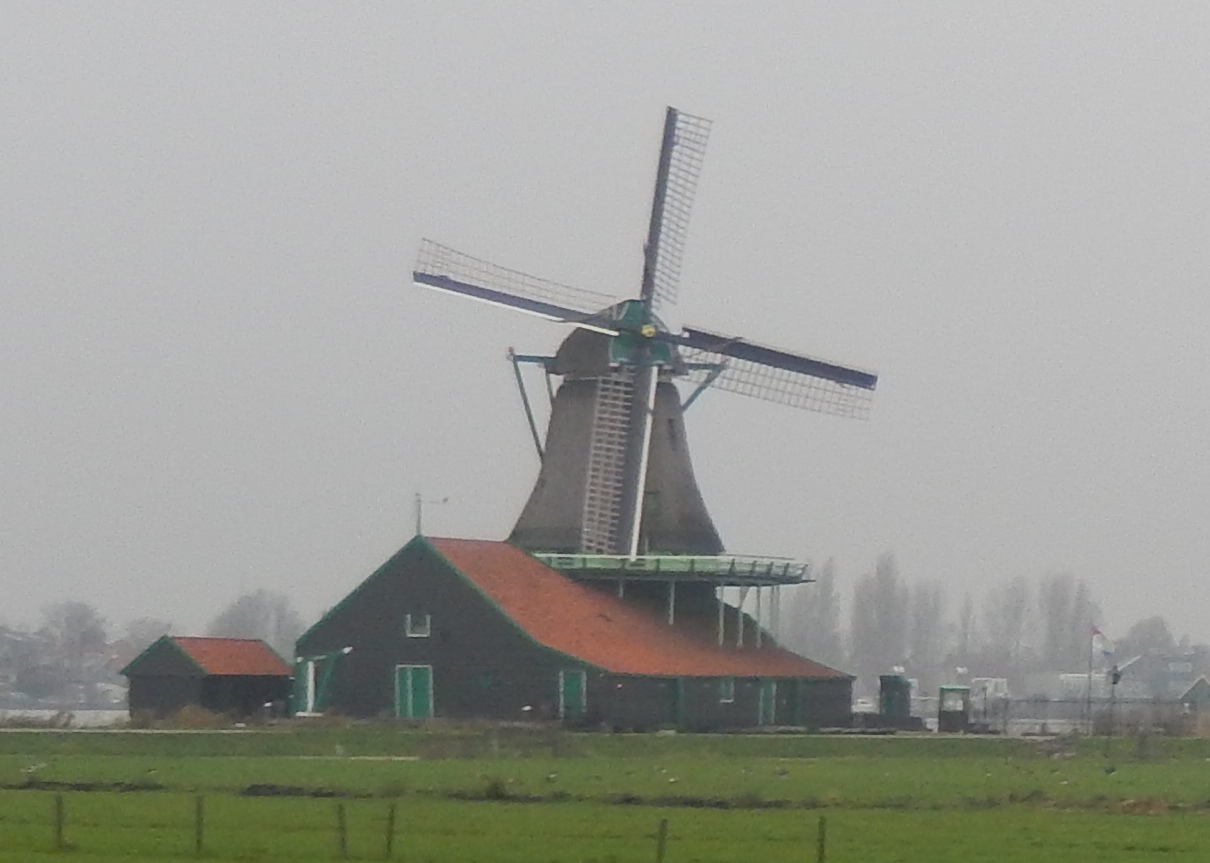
1101	643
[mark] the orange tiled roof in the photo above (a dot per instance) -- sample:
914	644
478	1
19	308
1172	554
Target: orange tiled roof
603	630
233	656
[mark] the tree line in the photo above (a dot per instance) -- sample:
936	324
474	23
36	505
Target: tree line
1020	627
73	656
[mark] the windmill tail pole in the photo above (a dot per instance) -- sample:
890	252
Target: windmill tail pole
529	413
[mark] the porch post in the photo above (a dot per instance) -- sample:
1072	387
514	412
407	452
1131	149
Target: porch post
718	592
760	629
739	617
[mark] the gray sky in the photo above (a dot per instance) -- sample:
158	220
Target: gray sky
216	376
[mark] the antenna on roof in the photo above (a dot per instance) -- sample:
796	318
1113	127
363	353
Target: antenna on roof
418	502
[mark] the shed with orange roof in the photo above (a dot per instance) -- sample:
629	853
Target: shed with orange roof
234	676
481	629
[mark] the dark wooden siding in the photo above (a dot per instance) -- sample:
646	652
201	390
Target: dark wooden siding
706	711
162	695
243	695
638	703
824	703
631	703
165	658
483	665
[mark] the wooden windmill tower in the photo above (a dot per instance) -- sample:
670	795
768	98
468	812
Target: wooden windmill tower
616	478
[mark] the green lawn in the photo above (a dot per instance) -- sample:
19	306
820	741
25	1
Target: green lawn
161	827
471	794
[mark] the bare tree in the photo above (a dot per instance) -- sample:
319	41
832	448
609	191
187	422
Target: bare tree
140	634
1066	614
815	627
963	647
1150	635
878	633
926	633
1007	622
262	614
76	635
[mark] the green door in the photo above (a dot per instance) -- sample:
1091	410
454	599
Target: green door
768	702
413	691
573	694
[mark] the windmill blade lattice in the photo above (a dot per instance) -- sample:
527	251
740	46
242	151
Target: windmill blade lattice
750	369
783	387
674	206
447	269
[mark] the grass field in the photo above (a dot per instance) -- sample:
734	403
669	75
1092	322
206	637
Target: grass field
541	796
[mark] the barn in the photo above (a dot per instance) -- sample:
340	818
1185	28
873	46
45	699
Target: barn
234	676
459	628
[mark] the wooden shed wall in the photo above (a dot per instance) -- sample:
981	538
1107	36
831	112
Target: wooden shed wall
162	694
483	664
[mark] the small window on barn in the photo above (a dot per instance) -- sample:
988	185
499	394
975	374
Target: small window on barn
726	690
418	625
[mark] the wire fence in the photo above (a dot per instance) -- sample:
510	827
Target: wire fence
1095	716
186	828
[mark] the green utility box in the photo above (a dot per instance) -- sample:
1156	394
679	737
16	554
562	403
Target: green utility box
895	698
954	709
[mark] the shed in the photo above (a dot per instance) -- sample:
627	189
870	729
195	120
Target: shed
236	676
463	628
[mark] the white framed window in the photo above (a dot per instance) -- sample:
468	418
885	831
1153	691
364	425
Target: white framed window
726	690
418	625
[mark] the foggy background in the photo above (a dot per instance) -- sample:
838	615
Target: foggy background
216	377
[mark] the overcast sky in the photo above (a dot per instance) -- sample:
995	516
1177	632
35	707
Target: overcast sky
216	375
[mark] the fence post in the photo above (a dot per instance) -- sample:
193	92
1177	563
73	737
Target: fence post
390	830
821	840
199	824
342	831
661	840
59	818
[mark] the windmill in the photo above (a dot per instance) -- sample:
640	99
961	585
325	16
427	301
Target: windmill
616	478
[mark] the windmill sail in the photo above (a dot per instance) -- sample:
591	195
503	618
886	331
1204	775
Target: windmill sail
684	148
616	477
447	269
681	153
745	367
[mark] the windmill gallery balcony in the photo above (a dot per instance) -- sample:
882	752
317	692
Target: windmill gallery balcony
654	580
722	570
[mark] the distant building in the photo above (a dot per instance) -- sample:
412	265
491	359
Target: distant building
1156	676
1197	696
467	628
236	676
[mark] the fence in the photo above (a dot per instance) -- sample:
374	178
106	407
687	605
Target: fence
1099	716
174	826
